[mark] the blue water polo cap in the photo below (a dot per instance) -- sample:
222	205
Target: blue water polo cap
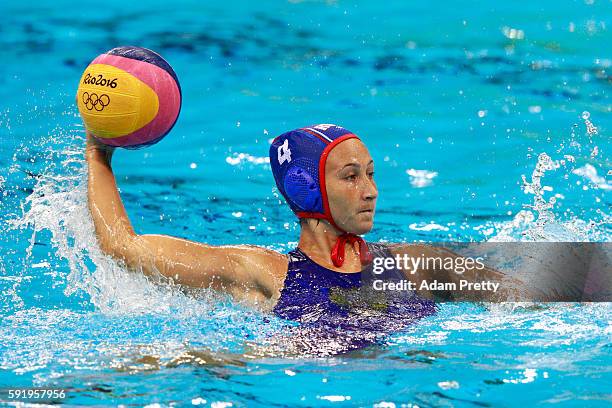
298	160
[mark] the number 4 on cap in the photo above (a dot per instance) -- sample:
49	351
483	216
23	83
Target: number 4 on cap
284	153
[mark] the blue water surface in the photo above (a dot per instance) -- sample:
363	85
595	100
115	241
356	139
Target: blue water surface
456	102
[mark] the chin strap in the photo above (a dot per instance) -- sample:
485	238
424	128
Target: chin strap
337	253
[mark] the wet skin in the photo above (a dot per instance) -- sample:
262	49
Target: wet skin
350	185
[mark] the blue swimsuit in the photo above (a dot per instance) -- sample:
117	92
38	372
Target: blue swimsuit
319	297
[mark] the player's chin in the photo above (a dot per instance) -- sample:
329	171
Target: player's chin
363	223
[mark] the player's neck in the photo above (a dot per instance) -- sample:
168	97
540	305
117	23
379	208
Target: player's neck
317	239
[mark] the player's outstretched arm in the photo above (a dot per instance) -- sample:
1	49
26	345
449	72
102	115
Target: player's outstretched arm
509	290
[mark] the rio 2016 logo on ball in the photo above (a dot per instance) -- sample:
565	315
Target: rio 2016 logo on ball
129	97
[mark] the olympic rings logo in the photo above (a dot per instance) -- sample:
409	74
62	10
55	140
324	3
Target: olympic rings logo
93	101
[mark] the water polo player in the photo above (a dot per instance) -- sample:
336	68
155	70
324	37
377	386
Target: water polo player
326	175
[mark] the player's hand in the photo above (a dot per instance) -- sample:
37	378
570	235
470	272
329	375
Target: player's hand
96	147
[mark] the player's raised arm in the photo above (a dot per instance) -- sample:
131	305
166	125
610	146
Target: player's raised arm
111	222
247	272
130	97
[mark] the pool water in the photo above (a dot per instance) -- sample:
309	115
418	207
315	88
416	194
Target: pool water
456	102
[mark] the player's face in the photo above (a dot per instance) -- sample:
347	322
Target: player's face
351	190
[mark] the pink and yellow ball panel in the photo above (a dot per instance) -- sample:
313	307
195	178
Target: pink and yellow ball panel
129	97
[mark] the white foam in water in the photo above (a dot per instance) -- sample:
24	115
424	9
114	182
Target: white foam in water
544	326
427	227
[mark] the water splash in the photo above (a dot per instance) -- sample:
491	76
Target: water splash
590	127
239	158
541	220
589	172
57	207
591	130
543	207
